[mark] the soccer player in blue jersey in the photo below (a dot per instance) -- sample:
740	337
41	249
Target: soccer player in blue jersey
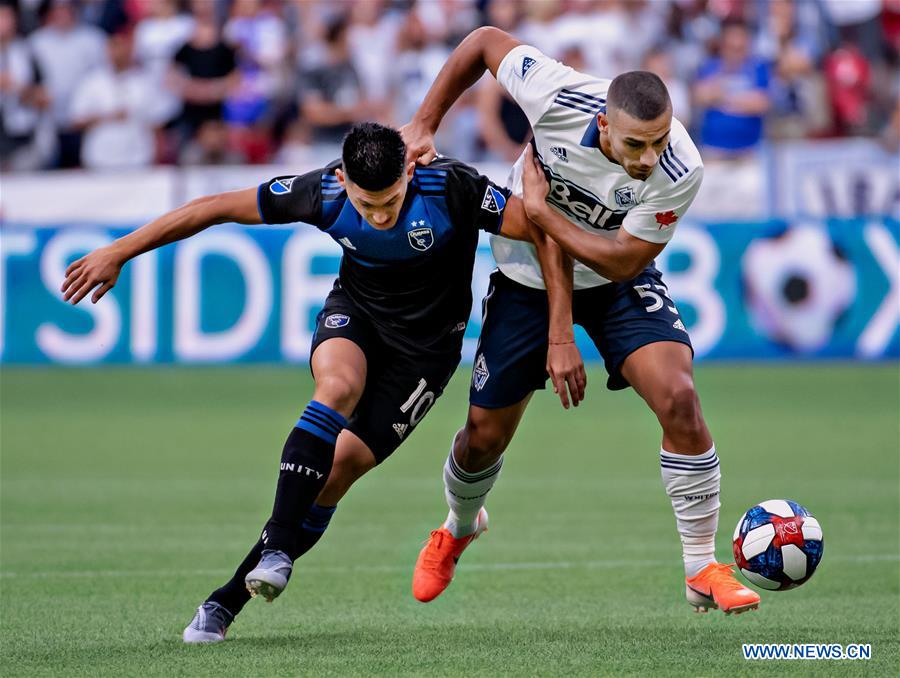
387	341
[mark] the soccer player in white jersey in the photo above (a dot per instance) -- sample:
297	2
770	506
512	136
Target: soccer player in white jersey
620	174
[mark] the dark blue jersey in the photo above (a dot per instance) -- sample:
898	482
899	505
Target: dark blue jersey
413	280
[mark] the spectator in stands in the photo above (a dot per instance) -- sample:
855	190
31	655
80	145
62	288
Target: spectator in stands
203	74
790	40
733	89
118	109
331	94
848	75
418	61
371	45
66	51
659	61
22	100
157	38
502	125
210	146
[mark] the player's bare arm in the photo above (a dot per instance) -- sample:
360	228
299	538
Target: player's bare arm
618	260
103	265
483	49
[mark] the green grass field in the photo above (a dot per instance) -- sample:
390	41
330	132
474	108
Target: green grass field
128	495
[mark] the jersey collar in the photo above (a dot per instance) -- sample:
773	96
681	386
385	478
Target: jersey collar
591	137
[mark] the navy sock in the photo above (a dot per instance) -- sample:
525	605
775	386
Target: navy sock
234	595
305	464
313	528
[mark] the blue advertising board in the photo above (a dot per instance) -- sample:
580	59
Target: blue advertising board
747	291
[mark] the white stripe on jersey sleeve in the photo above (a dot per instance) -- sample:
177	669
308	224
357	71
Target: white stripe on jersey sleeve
532	79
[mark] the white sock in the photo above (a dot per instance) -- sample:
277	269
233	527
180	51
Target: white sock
466	493
692	483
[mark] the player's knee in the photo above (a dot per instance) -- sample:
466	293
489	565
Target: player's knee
679	408
338	391
483	441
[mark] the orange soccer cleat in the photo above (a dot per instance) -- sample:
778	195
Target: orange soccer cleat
715	586
437	561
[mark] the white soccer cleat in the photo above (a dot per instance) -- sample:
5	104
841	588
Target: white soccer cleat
269	578
209	625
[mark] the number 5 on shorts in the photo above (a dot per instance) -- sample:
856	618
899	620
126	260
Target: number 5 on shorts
645	291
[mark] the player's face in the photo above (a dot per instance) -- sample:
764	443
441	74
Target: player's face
634	144
380	209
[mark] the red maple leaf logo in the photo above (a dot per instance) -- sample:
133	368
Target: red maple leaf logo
666	219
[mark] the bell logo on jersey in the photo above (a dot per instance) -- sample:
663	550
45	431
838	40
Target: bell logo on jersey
281	186
527	63
494	201
420	238
625	197
581	206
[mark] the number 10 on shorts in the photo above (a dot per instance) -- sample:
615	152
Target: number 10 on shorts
419	401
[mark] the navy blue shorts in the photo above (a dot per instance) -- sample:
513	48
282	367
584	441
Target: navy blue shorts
511	358
400	387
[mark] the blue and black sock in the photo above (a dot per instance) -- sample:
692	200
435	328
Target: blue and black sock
305	465
234	595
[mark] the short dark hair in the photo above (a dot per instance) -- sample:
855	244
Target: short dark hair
374	155
640	94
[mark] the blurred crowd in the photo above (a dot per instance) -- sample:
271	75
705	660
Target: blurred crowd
132	83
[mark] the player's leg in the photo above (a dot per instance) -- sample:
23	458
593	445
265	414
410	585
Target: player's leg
509	366
645	345
662	374
352	459
339	368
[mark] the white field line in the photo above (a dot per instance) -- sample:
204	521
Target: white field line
470	567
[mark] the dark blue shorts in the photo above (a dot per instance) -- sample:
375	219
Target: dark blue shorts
511	358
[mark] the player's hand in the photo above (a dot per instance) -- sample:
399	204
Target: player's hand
566	369
534	186
419	143
100	267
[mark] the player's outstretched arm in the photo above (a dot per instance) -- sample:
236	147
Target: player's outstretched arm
483	49
102	266
619	260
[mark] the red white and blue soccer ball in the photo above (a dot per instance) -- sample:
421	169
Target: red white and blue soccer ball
778	545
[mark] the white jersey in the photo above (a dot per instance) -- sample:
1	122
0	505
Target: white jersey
593	192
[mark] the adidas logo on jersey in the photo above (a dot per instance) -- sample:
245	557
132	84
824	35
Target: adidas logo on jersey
560	153
400	429
346	243
527	62
678	325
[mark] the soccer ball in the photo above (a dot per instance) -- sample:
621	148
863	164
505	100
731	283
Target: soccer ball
777	545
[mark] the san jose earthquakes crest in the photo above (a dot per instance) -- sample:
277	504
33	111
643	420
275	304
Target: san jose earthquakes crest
420	238
336	320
